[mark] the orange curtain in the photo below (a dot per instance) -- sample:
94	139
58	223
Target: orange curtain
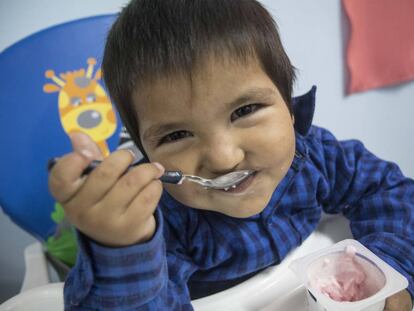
380	49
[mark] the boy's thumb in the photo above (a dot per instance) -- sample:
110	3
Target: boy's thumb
84	145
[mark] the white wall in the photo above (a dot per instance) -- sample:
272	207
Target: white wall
312	32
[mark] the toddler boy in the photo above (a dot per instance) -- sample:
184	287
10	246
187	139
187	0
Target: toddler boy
204	87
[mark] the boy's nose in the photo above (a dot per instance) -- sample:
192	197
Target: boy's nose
221	154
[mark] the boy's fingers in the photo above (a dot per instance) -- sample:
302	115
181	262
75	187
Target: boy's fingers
103	178
400	301
143	205
133	184
65	177
83	144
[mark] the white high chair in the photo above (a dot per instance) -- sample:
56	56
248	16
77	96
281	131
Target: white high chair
275	288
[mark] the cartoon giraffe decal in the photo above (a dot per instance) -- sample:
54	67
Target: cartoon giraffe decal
83	104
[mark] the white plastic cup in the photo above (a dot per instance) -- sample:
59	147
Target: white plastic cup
313	305
386	279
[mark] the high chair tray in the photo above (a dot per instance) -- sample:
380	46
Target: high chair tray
50	297
295	301
46	297
275	288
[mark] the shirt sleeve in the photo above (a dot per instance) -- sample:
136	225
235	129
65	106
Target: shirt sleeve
374	195
128	278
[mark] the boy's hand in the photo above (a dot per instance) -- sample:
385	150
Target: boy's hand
399	302
113	208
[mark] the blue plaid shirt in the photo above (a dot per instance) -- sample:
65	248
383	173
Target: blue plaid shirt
195	253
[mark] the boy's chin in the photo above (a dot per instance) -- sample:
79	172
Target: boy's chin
245	208
243	213
237	209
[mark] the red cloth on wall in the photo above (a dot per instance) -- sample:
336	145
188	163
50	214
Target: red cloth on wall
381	43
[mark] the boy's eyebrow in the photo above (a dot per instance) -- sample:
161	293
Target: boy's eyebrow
251	94
257	93
157	130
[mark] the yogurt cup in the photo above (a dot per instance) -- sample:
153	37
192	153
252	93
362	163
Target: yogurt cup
374	279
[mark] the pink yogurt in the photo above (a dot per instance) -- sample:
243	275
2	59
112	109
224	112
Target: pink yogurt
346	276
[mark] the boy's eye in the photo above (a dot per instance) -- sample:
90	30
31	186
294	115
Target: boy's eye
174	136
245	110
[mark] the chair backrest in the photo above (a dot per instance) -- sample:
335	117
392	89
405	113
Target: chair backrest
50	85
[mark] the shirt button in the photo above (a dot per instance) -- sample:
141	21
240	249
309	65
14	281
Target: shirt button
74	302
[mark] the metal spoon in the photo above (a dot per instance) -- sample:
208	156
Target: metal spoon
222	182
177	177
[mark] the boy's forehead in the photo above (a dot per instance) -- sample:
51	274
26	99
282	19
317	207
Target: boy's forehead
211	84
206	75
162	95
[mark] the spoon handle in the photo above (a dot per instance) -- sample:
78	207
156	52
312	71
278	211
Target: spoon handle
171	177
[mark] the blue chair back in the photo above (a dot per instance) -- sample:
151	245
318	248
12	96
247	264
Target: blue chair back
50	85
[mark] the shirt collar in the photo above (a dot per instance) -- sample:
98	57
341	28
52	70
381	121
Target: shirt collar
303	110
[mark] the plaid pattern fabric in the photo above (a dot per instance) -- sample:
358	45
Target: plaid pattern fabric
195	253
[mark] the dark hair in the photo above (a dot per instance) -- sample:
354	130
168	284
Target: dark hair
152	38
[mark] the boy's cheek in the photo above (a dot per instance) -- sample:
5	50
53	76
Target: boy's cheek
279	154
184	161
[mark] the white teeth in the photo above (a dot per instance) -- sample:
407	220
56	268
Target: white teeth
227	188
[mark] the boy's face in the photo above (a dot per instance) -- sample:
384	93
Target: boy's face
229	116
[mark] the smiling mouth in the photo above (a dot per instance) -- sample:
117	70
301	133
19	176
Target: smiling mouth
241	186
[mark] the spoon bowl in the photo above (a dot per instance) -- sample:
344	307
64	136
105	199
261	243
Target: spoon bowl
222	182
